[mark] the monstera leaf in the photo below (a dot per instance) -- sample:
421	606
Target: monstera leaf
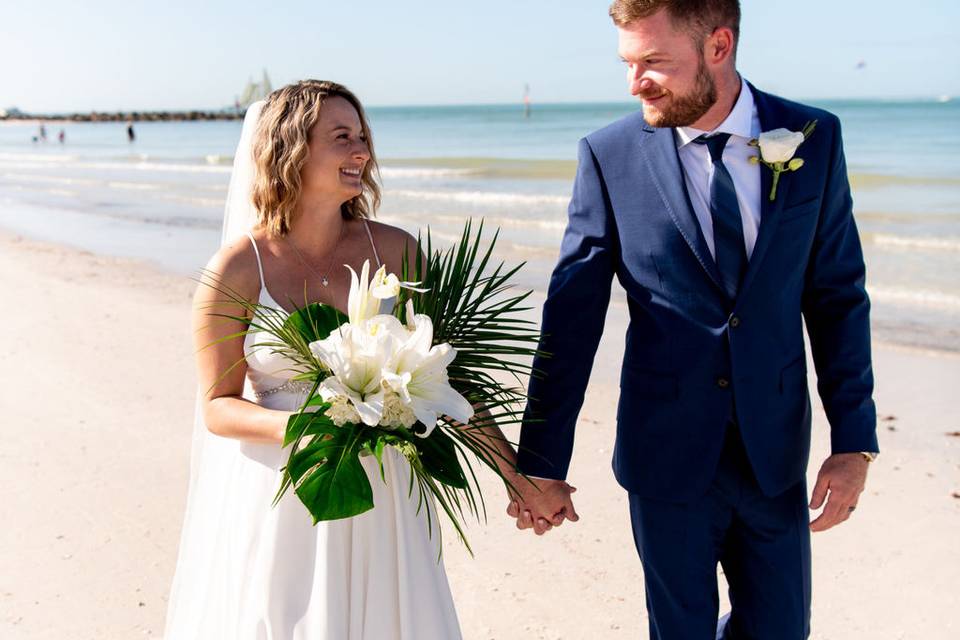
315	321
326	472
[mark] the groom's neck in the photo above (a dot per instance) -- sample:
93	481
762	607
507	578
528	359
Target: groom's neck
728	91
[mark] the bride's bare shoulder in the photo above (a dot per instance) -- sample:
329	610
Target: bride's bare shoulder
392	241
235	265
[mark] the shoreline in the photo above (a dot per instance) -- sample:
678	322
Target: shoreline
617	304
125	116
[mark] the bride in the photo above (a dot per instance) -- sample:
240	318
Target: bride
301	195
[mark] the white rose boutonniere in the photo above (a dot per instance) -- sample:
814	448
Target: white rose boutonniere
777	150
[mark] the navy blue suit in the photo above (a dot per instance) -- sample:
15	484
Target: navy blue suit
705	377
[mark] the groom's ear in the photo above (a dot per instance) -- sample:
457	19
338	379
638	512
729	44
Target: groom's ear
720	46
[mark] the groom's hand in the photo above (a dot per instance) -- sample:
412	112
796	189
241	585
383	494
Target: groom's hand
844	476
542	504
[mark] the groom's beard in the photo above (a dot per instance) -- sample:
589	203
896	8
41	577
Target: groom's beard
683	111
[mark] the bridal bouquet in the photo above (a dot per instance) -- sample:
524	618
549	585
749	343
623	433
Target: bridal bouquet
420	379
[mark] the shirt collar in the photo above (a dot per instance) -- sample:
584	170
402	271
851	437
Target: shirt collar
741	121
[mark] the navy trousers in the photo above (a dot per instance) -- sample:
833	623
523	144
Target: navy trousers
762	543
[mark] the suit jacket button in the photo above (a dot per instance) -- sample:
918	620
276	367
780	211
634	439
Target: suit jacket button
723	383
734	322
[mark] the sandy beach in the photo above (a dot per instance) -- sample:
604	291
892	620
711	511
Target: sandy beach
96	405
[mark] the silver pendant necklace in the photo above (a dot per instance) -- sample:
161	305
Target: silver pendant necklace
324	280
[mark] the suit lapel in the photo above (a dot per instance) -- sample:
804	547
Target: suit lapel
770	118
663	162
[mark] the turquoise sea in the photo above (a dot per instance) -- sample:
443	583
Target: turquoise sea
160	198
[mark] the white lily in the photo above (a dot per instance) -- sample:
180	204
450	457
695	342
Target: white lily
410	315
361	304
417	371
366	293
384	285
356	356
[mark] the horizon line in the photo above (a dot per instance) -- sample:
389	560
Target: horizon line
374	105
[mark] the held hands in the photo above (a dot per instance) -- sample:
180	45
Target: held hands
541	504
844	476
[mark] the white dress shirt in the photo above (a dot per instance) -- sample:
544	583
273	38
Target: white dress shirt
744	125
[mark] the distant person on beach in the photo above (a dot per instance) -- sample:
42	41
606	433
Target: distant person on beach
131	135
62	136
725	213
43	132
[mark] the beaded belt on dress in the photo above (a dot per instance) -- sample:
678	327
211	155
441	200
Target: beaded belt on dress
290	386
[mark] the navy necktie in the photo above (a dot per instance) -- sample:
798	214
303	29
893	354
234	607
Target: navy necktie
729	250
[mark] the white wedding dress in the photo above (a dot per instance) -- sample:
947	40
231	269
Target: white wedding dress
250	571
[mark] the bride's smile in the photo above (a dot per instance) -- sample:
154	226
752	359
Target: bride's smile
339	153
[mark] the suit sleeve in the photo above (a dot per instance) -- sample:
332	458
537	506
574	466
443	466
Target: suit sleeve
573	318
837	313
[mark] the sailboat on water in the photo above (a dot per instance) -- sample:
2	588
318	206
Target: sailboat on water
254	91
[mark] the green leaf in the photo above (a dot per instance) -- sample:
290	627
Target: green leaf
315	321
327	474
317	401
438	454
296	425
307	424
378	452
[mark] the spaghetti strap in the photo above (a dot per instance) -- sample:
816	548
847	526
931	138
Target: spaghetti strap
373	246
256	252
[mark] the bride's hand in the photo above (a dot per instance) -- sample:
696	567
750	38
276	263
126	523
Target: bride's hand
541	504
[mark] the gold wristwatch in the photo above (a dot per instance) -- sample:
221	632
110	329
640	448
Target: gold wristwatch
869	455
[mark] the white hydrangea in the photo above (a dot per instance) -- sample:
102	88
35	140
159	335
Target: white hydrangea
395	412
342	411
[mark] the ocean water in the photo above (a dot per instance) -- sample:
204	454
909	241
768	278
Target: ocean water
161	197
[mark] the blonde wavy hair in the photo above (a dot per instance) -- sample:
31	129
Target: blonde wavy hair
281	146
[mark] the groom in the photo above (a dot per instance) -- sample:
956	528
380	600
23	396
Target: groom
720	263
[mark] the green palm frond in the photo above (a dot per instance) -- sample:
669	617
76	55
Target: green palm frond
473	308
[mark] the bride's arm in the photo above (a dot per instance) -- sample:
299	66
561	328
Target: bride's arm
503	452
225	412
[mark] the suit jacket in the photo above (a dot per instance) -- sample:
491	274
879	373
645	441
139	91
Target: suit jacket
694	358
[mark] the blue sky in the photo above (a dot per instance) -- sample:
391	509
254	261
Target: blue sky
112	55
